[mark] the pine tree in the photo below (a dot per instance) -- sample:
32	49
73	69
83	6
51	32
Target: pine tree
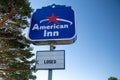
15	50
112	78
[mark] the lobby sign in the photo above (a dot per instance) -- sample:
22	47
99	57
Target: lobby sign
46	60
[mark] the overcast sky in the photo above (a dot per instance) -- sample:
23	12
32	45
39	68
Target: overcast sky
96	53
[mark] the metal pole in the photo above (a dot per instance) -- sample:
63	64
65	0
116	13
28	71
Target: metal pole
50	74
50	70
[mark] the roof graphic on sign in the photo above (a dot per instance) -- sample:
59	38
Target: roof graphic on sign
55	19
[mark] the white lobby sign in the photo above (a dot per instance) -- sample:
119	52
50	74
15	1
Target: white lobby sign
50	60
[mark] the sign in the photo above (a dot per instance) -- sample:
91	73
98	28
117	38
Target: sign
50	60
53	23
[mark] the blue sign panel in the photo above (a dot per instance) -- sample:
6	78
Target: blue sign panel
53	22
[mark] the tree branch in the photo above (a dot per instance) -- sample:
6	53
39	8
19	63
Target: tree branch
12	12
3	38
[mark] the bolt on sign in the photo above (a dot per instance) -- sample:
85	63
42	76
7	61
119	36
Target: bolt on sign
46	60
53	24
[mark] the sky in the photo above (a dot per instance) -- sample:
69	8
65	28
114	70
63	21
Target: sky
95	55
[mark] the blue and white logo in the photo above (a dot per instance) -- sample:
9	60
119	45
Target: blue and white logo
52	23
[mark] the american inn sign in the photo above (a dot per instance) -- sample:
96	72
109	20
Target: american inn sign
53	24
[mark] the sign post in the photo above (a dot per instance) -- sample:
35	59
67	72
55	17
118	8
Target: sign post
50	70
52	25
50	74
